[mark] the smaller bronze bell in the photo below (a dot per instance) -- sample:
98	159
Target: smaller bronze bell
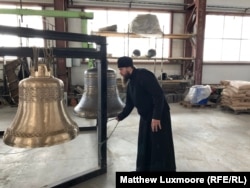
41	118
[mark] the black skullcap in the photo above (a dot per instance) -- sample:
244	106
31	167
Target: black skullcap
125	62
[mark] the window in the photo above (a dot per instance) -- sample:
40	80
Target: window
22	21
227	38
119	46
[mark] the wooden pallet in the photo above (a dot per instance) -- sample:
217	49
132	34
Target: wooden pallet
235	110
190	105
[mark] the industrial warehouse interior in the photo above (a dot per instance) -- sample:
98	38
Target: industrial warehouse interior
61	89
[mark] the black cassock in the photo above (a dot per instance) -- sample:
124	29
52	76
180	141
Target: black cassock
155	150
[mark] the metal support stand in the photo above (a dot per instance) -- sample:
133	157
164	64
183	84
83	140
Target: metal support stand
100	55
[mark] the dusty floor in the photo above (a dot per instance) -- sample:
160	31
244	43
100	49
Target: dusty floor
205	139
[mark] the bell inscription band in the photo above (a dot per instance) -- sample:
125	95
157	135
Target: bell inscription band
41	118
87	107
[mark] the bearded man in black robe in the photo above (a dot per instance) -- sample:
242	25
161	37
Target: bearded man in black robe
155	151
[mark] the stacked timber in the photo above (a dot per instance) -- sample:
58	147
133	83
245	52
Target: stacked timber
236	95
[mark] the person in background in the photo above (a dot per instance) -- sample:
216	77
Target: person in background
155	151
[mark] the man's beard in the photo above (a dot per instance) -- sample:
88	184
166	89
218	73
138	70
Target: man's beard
125	79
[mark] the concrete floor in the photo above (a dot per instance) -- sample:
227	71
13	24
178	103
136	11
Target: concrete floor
205	139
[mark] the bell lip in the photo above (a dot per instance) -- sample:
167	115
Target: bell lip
38	142
93	115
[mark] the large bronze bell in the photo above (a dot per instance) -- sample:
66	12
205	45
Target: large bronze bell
87	107
41	118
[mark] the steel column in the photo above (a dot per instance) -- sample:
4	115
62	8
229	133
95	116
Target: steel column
200	22
60	25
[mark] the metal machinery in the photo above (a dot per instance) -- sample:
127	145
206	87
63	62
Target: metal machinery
100	55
